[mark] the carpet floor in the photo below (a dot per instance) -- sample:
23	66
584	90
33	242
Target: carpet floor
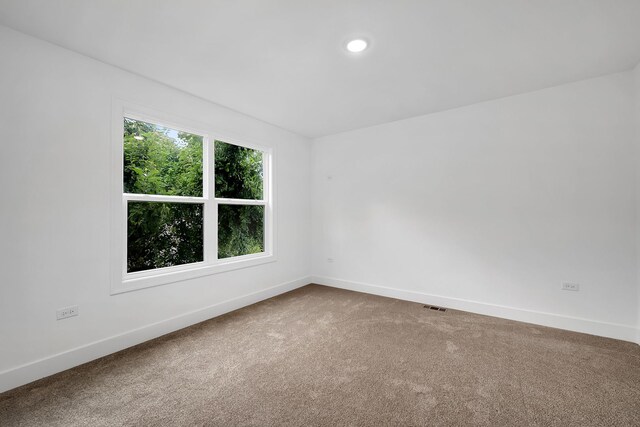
320	356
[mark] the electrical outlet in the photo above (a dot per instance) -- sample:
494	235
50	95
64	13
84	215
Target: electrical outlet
569	286
63	313
330	260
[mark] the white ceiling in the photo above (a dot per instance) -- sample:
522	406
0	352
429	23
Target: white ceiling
283	61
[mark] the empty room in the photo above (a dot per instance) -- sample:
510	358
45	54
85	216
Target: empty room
320	213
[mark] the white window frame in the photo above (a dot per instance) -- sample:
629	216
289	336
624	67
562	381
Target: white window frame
121	280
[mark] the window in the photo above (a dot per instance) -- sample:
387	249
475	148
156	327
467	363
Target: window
193	202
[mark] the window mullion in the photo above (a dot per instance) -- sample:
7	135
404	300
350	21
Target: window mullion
210	208
224	201
267	196
160	198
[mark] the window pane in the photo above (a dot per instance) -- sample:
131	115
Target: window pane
159	160
163	234
240	230
239	172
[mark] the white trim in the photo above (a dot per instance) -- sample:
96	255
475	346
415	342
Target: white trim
44	367
248	202
576	324
132	197
210	220
179	273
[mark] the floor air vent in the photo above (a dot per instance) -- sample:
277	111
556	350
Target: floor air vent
434	308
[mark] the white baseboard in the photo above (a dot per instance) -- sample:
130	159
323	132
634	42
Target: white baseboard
41	368
603	329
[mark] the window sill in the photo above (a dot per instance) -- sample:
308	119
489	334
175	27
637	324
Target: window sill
142	280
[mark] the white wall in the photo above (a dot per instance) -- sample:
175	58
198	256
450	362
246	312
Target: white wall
488	208
55	114
637	122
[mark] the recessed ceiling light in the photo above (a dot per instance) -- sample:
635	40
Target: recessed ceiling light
357	45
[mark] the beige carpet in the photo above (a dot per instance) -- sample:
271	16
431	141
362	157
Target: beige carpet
319	356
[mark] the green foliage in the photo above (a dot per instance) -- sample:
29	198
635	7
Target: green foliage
163	235
161	161
238	172
240	230
239	175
